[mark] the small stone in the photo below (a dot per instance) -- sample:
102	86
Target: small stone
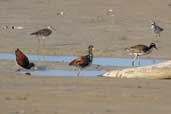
60	13
8	98
139	86
110	12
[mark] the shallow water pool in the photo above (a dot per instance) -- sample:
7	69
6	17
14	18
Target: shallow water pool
105	61
102	61
55	72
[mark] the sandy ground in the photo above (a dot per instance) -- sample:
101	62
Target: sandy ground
50	95
84	22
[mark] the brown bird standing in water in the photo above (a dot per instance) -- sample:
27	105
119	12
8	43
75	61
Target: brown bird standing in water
83	61
22	60
140	50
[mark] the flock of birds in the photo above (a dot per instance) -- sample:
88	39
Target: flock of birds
84	61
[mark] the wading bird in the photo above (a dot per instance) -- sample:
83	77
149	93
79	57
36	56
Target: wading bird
83	61
140	50
156	29
43	33
22	60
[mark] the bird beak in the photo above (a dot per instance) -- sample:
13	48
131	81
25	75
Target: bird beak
156	48
53	28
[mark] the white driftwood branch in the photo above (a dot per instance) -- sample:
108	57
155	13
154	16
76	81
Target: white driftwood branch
156	71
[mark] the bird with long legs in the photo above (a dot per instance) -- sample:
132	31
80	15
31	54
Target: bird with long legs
140	50
156	29
22	60
83	61
43	33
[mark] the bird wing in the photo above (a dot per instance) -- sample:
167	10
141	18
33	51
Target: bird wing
42	31
138	48
158	29
79	61
22	59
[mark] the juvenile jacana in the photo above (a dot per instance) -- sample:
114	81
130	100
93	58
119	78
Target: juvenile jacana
22	60
43	33
83	61
156	29
140	50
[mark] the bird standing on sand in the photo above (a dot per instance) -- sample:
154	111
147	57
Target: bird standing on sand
22	60
156	29
43	33
83	61
140	50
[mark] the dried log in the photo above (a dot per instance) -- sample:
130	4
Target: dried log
156	71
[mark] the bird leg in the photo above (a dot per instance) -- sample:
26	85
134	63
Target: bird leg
135	58
18	67
43	47
139	60
157	37
38	48
43	42
132	63
78	74
154	61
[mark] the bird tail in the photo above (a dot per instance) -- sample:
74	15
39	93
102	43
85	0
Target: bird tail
125	48
72	63
34	33
161	29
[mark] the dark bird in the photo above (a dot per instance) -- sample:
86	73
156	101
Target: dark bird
43	33
83	61
22	60
156	29
140	50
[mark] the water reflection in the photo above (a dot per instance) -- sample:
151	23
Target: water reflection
89	73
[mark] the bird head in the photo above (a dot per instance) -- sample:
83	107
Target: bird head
91	47
32	66
51	28
153	45
17	50
153	23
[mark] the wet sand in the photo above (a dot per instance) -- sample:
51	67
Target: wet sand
84	22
